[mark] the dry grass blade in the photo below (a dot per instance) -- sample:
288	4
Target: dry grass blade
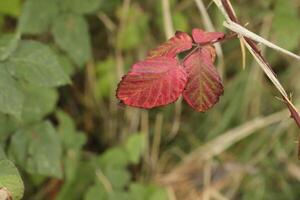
248	39
246	33
227	139
224	141
294	170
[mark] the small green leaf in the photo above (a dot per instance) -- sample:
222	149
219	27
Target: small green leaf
8	43
105	77
81	6
11	97
96	192
38	150
79	181
147	192
159	194
119	177
36	63
10	179
71	34
38	103
66	64
119	195
37	16
135	146
71	138
115	156
10	7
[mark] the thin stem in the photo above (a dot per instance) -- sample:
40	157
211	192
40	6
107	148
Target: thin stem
198	46
190	53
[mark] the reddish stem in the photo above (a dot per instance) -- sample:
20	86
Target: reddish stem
294	113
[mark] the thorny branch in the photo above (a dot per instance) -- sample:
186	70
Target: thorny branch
229	14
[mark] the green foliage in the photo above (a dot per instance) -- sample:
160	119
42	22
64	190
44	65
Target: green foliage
11	96
64	135
38	103
38	15
286	23
81	6
135	146
71	138
37	64
8	43
105	77
112	177
37	149
147	192
10	7
71	34
133	32
10	179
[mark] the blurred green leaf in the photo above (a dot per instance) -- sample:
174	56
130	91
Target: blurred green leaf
2	154
115	156
181	22
72	141
158	193
71	34
37	64
138	191
105	77
96	192
81	6
38	15
79	181
147	192
38	150
10	7
286	24
11	179
119	177
119	195
110	6
66	64
134	30
135	146
8	43
11	97
38	102
71	138
7	126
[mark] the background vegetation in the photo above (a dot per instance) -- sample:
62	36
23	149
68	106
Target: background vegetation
63	134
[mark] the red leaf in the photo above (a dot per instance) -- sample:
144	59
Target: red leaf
203	37
153	82
204	86
176	44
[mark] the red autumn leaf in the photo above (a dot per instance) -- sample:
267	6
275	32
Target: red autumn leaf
204	86
153	82
203	37
178	43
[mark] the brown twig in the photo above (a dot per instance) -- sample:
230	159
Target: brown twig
253	47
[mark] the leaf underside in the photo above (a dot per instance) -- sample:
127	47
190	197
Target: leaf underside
176	44
153	82
203	37
204	86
